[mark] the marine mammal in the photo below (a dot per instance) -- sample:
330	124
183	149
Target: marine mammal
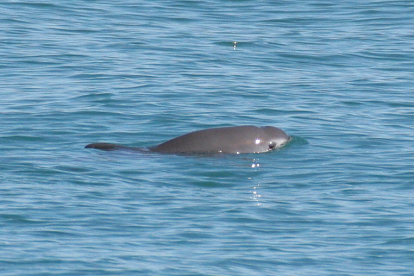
233	140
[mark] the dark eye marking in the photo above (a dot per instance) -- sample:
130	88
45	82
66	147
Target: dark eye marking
272	145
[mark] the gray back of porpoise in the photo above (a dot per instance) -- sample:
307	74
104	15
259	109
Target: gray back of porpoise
236	140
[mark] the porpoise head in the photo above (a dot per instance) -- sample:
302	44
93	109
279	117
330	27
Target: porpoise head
274	137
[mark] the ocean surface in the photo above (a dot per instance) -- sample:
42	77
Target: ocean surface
338	76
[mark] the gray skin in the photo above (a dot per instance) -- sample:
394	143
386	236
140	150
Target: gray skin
231	140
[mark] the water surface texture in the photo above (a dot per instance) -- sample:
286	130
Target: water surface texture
338	77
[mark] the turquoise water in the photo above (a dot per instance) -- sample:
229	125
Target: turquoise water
338	200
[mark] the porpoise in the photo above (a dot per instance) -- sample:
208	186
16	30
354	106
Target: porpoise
229	140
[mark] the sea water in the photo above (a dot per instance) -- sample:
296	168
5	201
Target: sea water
335	75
